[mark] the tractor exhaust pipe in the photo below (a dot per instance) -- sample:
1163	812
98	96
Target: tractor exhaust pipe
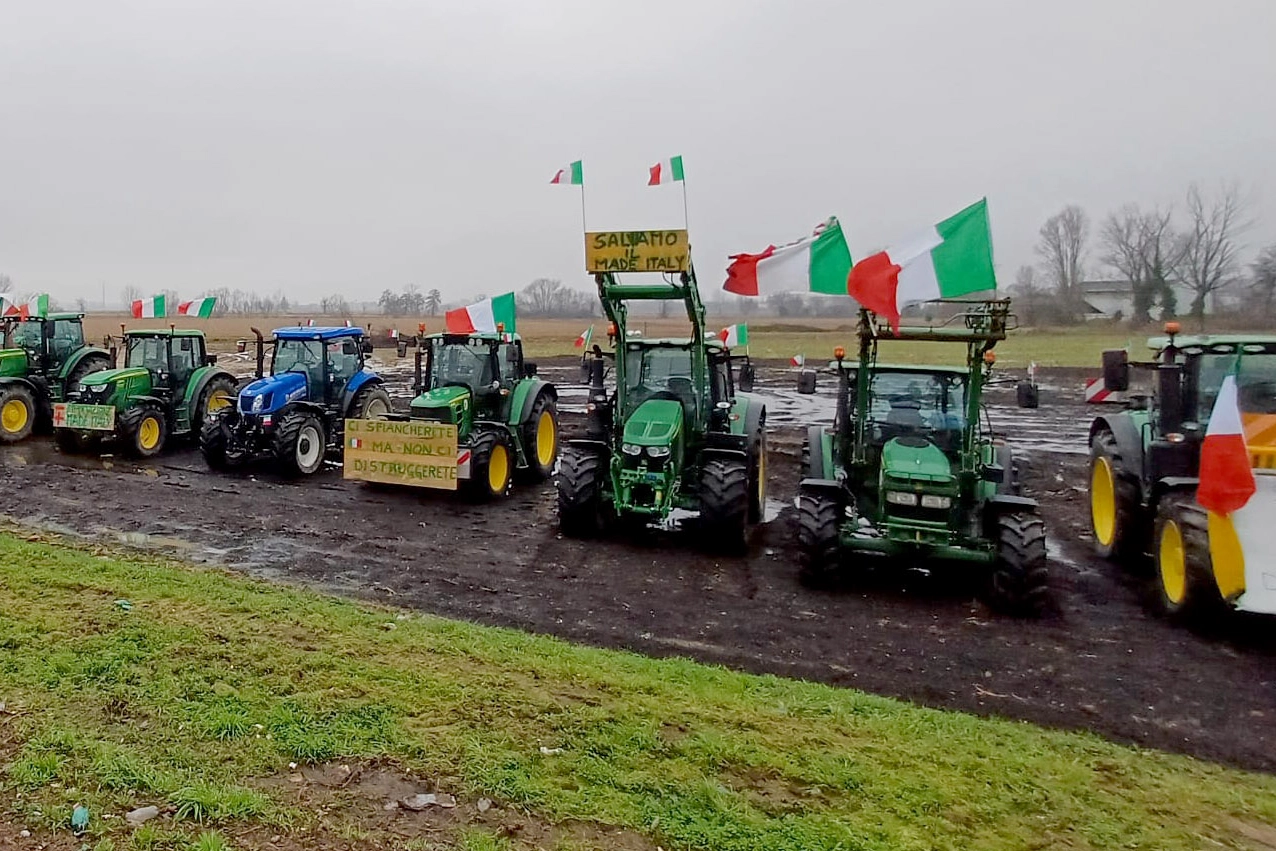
596	405
417	386
261	353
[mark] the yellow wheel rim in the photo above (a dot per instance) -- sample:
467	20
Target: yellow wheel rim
148	433
546	439
498	469
1171	562
1103	501
762	478
14	416
218	400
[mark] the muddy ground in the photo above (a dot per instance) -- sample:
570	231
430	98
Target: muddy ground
1098	660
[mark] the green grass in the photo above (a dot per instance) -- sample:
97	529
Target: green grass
212	682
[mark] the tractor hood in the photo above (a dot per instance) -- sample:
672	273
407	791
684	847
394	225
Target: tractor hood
656	422
105	377
447	404
916	460
13	362
269	394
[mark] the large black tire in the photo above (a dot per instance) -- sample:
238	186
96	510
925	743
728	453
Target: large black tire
1116	515
539	434
142	430
724	504
580	493
819	537
370	403
215	438
17	412
219	395
300	444
90	364
1184	586
757	476
1018	583
70	441
491	465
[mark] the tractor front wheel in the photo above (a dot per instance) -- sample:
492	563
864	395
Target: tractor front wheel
17	413
540	438
1114	502
370	403
757	477
491	466
724	504
580	493
1018	582
219	395
819	537
143	430
300	444
1186	590
71	441
215	438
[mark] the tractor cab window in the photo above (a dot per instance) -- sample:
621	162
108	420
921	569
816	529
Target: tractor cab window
150	353
304	356
184	360
68	337
28	336
1255	382
468	364
660	369
916	403
720	375
343	360
507	355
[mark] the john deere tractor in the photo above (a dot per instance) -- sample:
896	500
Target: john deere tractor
908	472
42	357
168	387
1145	464
674	433
295	416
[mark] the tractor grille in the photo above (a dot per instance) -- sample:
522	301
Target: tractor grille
434	415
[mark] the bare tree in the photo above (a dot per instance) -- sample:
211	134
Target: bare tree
1062	249
542	296
130	294
6	283
334	304
1210	247
433	302
1263	284
1144	248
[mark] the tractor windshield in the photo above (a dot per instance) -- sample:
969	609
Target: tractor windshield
150	353
918	403
468	363
656	369
304	356
28	335
1255	382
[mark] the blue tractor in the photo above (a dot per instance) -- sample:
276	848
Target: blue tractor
296	415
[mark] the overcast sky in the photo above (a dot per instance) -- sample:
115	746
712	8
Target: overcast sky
317	146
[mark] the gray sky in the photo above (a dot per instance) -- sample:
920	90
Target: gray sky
319	146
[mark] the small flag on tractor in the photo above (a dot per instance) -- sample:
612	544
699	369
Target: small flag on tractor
586	337
149	308
818	263
571	174
310	323
1226	477
201	307
394	333
665	171
37	307
797	360
734	335
349	324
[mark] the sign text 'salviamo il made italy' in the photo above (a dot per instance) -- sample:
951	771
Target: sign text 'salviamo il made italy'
637	251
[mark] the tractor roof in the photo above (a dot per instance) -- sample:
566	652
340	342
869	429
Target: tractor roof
159	332
904	367
1206	341
53	316
315	333
484	336
672	342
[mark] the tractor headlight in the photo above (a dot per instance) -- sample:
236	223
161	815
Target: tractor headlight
658	451
901	498
631	449
84	388
259	403
932	501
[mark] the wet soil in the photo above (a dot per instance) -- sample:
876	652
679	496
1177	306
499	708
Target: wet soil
1098	660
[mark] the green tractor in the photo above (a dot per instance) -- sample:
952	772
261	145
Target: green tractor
506	418
674	434
167	387
43	357
908	472
1145	466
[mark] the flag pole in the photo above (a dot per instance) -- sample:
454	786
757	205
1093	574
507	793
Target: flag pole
686	222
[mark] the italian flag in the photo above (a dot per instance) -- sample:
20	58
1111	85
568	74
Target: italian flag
817	263
394	333
38	307
356	443
571	174
797	360
148	308
1227	480
665	171
734	335
947	260
586	337
201	307
310	323
482	317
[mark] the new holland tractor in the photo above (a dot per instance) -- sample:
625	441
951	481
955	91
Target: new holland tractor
168	387
43	357
1144	467
295	416
674	433
907	471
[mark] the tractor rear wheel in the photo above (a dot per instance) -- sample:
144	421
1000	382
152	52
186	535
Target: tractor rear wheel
819	537
1186	590
370	403
1018	583
1114	503
218	396
300	444
215	440
491	465
757	477
90	364
724	503
580	493
143	430
540	438
17	413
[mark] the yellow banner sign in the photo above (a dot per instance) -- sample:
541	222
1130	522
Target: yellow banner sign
401	452
637	251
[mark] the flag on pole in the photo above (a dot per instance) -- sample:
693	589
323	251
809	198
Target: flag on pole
310	323
665	171
349	324
734	335
148	308
572	174
817	263
585	338
482	317
39	306
201	307
394	333
797	360
947	260
1226	478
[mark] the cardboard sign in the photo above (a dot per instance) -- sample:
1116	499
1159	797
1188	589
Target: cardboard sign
401	452
637	251
84	417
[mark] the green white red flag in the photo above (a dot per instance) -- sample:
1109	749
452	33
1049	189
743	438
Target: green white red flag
148	308
483	317
665	171
201	307
797	360
572	174
734	335
39	306
1226	477
947	260
817	263
585	338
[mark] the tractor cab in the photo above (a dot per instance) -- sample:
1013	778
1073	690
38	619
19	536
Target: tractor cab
463	377
319	365
48	342
170	357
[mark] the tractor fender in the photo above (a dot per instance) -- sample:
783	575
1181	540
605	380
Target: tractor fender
828	487
1180	485
723	452
198	381
599	446
1010	502
754	416
1126	432
820	462
25	382
301	405
80	354
525	394
363	378
134	401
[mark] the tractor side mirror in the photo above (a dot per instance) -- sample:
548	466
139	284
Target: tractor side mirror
994	473
209	360
366	345
1169	392
747	376
529	369
1116	370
